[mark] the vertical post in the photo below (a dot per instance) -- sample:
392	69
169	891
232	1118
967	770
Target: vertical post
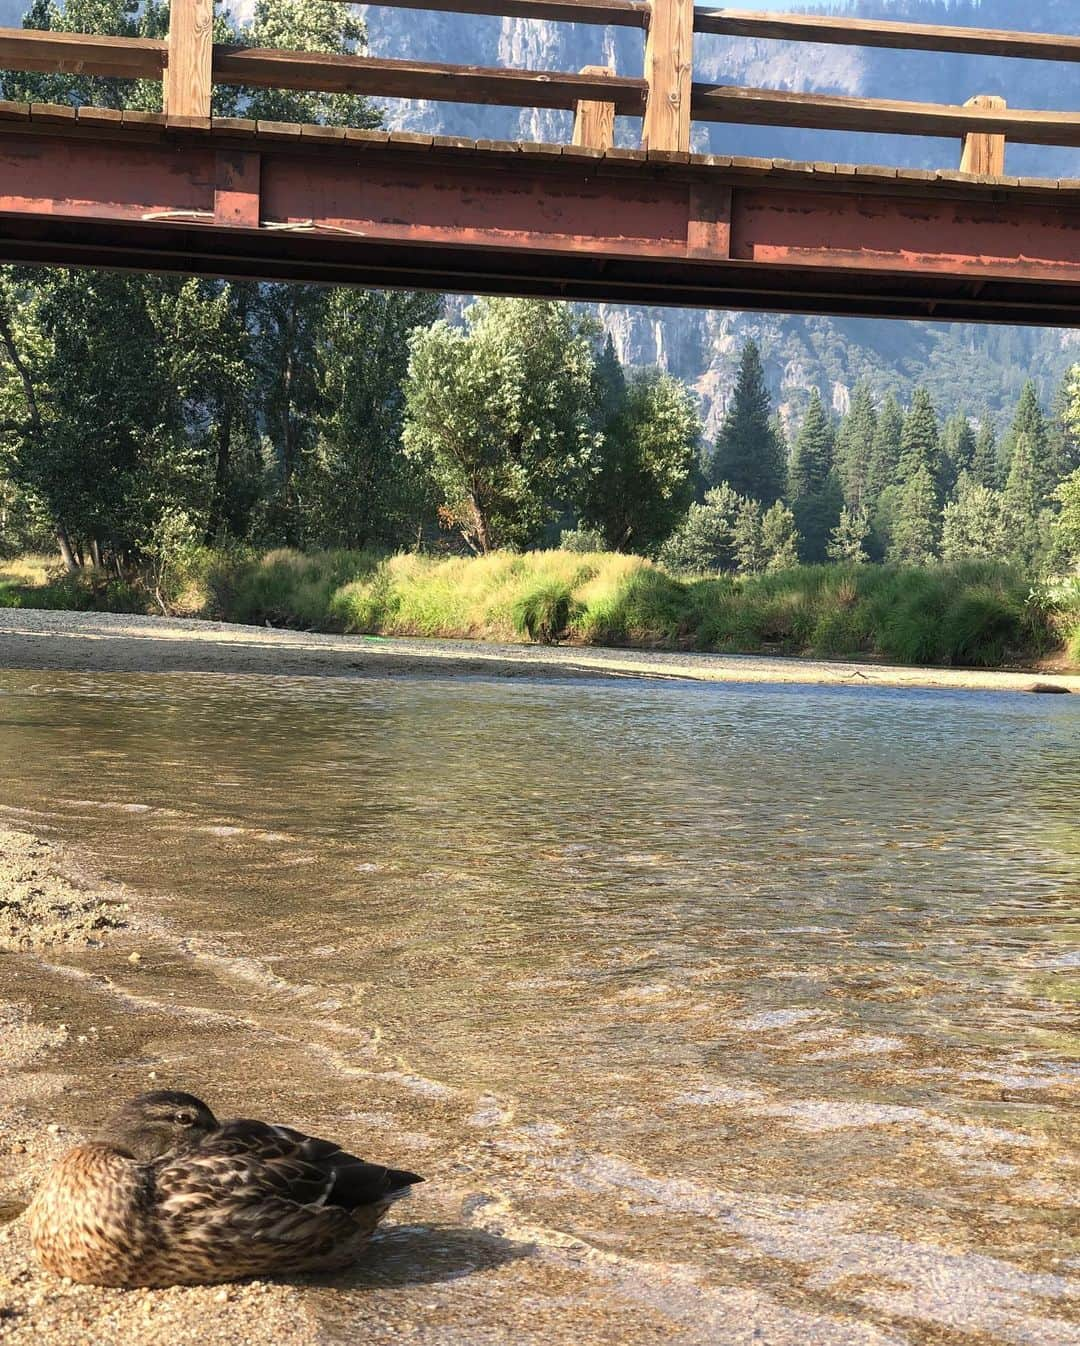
984	153
594	123
191	51
669	66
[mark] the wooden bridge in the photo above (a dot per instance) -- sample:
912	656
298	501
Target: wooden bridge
187	191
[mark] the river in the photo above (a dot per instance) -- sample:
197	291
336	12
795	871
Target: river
708	1011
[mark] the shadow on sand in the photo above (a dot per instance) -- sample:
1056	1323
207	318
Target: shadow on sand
422	1255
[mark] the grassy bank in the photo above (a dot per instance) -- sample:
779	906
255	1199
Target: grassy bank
976	614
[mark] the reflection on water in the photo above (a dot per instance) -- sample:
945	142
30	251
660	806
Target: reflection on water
732	978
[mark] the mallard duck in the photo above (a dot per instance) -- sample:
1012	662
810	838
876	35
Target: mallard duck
165	1194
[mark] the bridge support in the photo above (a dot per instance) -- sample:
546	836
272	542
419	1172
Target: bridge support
190	62
669	63
594	123
983	153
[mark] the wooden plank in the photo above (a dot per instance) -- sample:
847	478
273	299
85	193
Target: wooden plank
191	38
422	80
981	153
831	112
620	13
81	54
594	123
885	33
669	61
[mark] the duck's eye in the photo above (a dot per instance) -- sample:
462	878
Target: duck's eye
185	1119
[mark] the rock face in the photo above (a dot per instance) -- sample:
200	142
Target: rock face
979	366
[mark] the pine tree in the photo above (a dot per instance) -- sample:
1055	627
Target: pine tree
958	449
885	456
915	526
748	455
815	490
920	444
780	537
1030	425
1027	518
855	448
985	468
848	539
975	525
750	554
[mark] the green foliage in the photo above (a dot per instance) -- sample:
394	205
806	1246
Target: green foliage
976	524
885	457
848	539
958	444
985	466
816	497
1065	530
914	530
855	449
977	613
920	443
502	416
1023	499
583	540
544	614
749	456
642	477
705	539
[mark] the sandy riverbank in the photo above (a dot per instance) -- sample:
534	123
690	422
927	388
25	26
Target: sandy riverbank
45	905
110	642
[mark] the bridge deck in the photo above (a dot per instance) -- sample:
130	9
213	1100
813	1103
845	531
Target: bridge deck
276	201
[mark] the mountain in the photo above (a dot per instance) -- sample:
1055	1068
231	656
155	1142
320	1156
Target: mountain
980	367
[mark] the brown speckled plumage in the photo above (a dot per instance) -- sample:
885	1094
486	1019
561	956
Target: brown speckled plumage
159	1201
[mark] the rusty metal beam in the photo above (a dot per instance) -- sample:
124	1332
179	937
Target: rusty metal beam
498	218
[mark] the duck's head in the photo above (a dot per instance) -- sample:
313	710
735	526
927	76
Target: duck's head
158	1123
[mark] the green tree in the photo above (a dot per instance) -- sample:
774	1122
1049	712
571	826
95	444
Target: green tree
1065	530
748	456
815	492
885	457
751	556
705	539
780	537
975	525
1028	518
360	489
915	526
985	466
920	443
855	448
502	416
848	539
958	445
1030	433
643	476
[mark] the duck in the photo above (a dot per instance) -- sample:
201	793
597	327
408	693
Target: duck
165	1194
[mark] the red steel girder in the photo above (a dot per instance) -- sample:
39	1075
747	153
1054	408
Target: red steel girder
512	219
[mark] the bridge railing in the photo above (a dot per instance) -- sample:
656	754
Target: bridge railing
666	99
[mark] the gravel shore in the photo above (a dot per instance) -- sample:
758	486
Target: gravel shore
111	642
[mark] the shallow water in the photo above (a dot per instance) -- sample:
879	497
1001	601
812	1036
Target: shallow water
701	993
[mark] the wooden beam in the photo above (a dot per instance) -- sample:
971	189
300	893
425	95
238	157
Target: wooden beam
982	153
831	112
669	57
418	79
620	13
81	54
884	33
594	123
191	47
